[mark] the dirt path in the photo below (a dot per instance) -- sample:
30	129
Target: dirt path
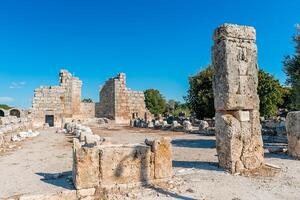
31	168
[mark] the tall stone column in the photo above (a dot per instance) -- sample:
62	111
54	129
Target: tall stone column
238	132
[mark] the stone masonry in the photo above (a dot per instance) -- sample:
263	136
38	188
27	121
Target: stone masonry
120	103
293	133
55	103
107	165
238	132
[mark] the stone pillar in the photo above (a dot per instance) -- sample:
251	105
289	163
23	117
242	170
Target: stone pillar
293	133
238	131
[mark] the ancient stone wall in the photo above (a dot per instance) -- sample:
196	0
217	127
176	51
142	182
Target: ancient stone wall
59	102
48	101
238	131
120	103
293	133
87	110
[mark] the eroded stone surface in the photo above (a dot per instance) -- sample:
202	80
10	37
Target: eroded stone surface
238	134
293	132
121	103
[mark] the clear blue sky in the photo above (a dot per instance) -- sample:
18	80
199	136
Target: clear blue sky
158	44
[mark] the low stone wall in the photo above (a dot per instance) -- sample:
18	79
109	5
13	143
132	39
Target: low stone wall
11	124
293	133
105	165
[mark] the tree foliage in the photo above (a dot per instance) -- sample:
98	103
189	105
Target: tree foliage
176	108
200	98
5	107
270	94
292	70
155	102
87	100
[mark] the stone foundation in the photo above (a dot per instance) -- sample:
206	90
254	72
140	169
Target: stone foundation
238	132
107	165
293	133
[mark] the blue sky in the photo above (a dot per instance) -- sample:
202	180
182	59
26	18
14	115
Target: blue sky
158	44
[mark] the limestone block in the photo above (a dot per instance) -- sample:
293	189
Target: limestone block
124	164
85	166
162	158
293	133
235	68
239	144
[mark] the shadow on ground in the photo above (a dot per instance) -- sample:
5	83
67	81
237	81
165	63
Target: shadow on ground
190	143
168	193
213	166
62	180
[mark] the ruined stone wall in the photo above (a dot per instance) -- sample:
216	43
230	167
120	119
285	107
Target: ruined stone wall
238	131
48	101
63	101
106	106
72	95
87	110
120	103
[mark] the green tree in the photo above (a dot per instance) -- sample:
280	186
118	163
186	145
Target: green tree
88	100
176	108
292	70
287	97
200	98
155	102
270	94
5	107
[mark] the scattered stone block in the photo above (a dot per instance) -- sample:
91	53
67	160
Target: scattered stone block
293	133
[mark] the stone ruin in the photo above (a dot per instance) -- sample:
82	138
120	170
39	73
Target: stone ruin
121	104
293	133
98	164
54	104
238	131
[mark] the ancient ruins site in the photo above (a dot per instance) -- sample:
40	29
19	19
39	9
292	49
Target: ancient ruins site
65	147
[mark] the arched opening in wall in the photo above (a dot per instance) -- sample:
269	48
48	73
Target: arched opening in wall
2	114
15	112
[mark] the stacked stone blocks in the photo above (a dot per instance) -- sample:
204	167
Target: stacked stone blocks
238	132
105	166
121	103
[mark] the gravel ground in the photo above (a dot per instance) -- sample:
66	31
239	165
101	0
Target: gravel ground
34	168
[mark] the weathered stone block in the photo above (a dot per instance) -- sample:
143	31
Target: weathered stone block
124	164
235	80
239	144
293	133
85	166
162	158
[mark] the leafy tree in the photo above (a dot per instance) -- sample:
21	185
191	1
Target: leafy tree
287	97
200	98
177	108
292	70
5	107
88	100
155	102
270	94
